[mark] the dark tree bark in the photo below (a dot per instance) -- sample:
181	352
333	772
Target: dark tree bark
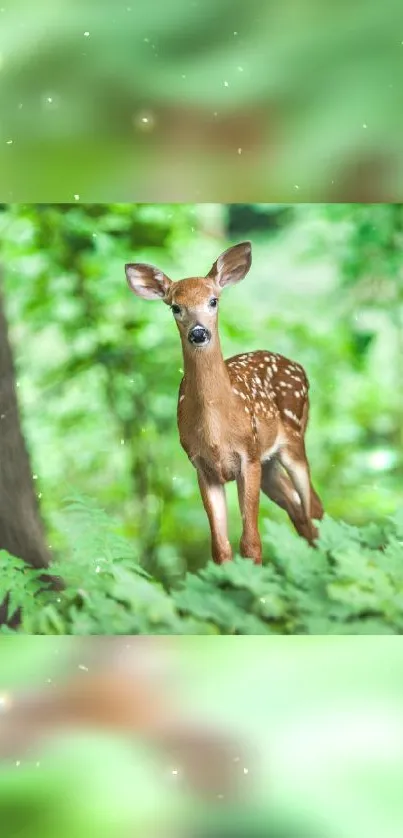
21	530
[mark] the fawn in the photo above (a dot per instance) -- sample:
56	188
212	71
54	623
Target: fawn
240	419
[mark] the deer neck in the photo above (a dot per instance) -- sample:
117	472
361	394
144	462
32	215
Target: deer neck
206	378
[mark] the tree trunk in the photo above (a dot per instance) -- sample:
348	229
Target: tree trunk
21	531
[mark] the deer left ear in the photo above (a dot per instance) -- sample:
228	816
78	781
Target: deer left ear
232	265
147	281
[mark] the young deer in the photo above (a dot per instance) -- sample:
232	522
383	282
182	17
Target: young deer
242	419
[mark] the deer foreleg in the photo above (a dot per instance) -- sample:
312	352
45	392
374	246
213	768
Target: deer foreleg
215	504
249	495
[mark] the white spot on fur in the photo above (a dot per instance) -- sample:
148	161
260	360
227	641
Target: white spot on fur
291	415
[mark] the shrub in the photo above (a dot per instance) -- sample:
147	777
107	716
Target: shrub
352	583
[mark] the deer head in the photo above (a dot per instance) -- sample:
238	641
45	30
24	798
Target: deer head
193	301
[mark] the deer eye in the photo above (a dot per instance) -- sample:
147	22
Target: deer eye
213	302
176	309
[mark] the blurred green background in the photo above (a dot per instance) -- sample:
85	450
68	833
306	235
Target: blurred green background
198	100
321	718
98	370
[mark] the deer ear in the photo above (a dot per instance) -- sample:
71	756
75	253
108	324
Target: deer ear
232	265
147	281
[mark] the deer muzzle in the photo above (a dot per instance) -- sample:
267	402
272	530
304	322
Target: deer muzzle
199	335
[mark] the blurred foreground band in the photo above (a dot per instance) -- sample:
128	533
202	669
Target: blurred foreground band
293	101
234	737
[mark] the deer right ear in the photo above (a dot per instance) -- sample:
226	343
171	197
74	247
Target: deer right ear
232	265
147	281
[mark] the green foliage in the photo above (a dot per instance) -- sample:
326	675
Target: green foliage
18	582
99	803
352	583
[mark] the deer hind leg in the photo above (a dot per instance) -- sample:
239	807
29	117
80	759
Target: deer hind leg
317	511
278	487
294	460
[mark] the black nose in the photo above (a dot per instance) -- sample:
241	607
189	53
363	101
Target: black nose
199	335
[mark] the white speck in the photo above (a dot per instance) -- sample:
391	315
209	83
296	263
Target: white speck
239	151
175	772
246	771
97	569
235	33
40	495
49	99
364	125
144	120
84	668
122	442
18	763
34	476
240	69
4	702
76	197
86	34
9	142
296	186
226	84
